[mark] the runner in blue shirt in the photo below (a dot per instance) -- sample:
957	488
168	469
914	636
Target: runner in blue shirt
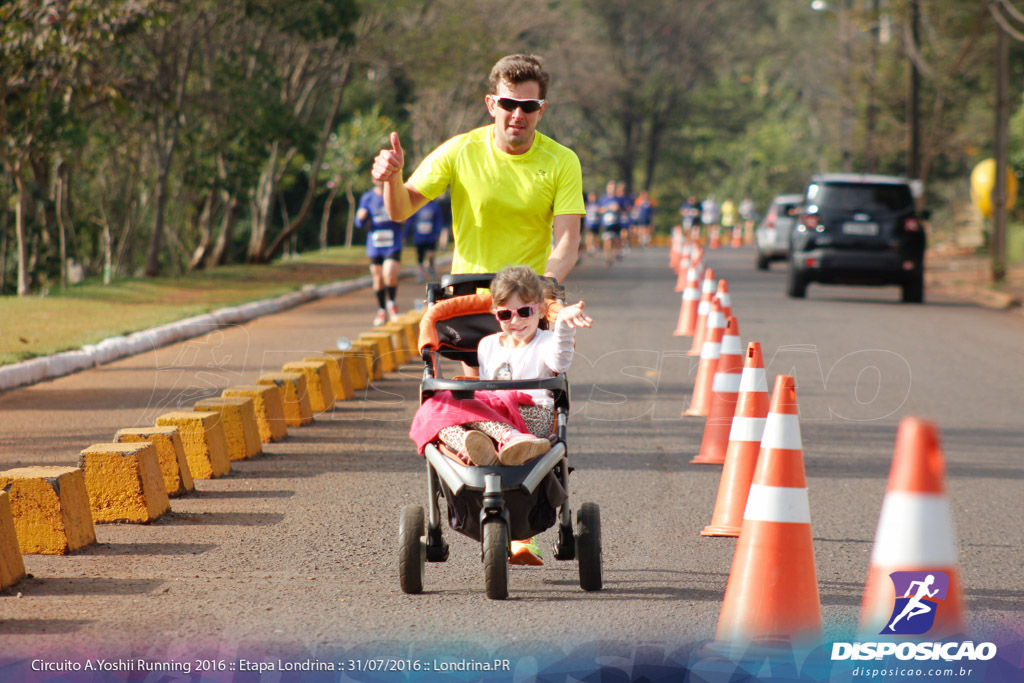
384	247
426	226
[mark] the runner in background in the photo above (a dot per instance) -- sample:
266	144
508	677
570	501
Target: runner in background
384	247
609	212
689	212
625	218
426	227
592	223
748	214
643	218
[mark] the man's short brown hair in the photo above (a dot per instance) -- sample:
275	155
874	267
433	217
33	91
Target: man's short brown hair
516	69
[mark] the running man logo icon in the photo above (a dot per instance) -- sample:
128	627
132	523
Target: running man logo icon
917	599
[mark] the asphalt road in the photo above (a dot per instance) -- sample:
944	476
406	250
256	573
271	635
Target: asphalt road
294	553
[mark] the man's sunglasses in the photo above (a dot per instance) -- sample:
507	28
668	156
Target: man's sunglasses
505	314
510	103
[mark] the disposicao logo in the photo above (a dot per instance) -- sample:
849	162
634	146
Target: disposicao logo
918	595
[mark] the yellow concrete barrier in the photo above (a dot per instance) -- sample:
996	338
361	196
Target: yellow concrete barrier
368	351
170	454
318	383
12	567
202	435
341	382
124	482
384	349
294	396
267	406
50	507
240	428
353	365
400	345
411	325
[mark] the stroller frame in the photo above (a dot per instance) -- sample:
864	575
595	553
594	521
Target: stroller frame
499	487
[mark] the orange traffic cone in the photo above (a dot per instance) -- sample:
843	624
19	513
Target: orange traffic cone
744	445
737	236
683	269
700	402
772	594
724	300
675	251
707	293
915	545
715	237
725	390
691	300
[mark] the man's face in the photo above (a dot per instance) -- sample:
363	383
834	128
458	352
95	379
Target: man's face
513	130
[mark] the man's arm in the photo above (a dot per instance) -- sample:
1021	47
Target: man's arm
566	229
400	200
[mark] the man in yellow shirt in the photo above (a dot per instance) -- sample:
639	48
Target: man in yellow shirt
513	189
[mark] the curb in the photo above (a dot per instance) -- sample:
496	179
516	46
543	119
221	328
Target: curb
90	356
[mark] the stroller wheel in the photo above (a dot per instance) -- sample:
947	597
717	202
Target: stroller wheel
411	549
495	551
588	546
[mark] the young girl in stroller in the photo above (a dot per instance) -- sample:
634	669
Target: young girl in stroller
507	427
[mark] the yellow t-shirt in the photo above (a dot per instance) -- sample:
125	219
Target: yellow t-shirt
503	204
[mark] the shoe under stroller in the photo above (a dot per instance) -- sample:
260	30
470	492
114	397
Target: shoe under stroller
492	505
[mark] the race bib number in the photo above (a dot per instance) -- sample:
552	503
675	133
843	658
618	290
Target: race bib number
382	239
424	227
609	218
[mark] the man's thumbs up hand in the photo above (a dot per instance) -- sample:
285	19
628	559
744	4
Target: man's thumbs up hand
388	163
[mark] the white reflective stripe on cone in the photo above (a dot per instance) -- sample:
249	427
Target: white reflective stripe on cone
777	504
731	345
747	429
711	350
726	383
753	380
704	307
782	431
691	294
724	300
914	530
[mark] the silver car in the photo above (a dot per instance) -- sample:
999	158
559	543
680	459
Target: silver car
774	232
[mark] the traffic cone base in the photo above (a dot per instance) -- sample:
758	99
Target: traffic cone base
760	606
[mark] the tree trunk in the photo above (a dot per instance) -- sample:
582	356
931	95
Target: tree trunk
325	221
165	147
350	225
156	237
4	239
202	252
222	248
307	202
58	198
263	206
21	200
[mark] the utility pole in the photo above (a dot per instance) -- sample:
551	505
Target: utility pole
913	100
1001	140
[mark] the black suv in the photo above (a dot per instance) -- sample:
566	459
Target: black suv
858	229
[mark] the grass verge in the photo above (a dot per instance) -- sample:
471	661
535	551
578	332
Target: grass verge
90	312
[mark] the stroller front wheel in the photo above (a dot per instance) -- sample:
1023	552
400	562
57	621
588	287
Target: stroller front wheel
412	549
495	552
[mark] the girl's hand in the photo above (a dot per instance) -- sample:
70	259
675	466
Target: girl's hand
573	316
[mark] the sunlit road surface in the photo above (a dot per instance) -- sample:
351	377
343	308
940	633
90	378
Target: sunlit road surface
296	551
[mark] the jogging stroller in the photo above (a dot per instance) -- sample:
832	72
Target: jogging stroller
492	505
